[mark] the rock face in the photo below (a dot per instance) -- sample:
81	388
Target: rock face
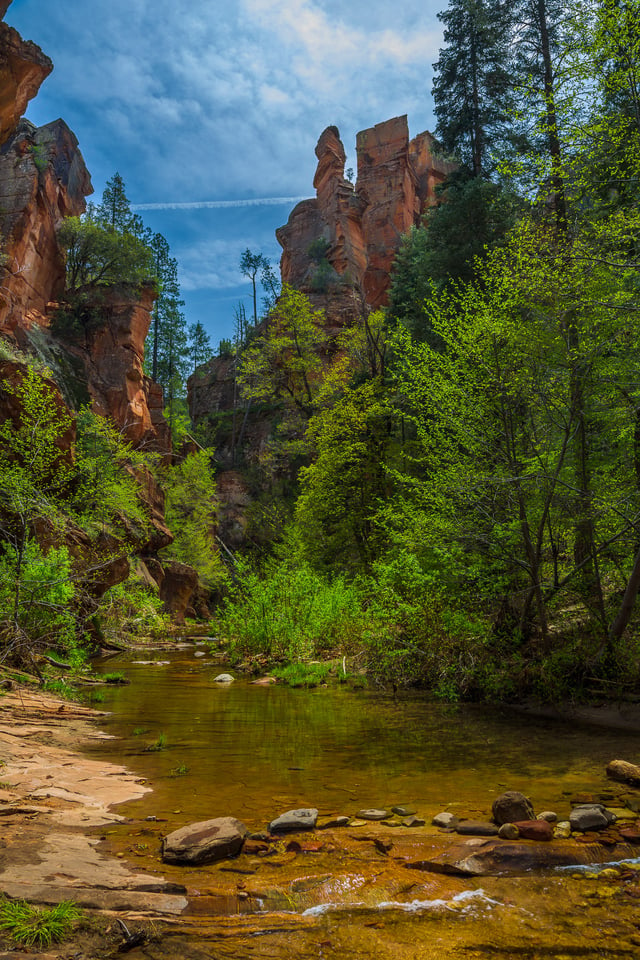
23	67
112	353
204	842
360	227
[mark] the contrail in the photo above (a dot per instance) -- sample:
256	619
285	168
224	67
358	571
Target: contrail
217	204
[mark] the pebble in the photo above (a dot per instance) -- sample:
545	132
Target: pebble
548	815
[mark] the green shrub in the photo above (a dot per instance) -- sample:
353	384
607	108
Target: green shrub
30	927
131	607
289	611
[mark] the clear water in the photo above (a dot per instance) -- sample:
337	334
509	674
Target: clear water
253	752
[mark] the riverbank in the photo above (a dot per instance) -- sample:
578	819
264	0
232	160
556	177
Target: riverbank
52	799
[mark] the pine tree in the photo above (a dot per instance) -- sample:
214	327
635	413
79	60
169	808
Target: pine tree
114	212
472	87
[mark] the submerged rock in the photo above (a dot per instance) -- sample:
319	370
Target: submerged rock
512	806
205	841
223	678
302	819
624	772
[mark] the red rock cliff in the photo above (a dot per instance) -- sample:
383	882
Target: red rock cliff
43	178
362	225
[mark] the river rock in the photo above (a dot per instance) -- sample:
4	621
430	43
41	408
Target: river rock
303	819
402	811
205	841
413	822
508	831
445	820
372	814
476	828
534	829
590	817
331	823
624	772
562	830
223	678
548	815
512	806
630	834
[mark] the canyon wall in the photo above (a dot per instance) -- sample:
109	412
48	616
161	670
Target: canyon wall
340	246
43	178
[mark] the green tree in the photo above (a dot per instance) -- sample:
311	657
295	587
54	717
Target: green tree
251	264
114	211
472	81
191	511
36	472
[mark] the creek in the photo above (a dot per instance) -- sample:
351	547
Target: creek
252	752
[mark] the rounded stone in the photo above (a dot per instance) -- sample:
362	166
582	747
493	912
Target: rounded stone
476	828
445	820
403	811
372	814
548	815
303	819
508	831
512	806
223	678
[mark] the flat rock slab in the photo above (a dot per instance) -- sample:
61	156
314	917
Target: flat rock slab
205	841
476	828
303	819
372	814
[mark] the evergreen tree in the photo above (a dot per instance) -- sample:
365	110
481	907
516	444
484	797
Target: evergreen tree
114	212
472	86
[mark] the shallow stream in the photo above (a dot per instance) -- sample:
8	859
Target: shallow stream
253	752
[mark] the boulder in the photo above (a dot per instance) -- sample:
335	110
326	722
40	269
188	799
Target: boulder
590	817
624	772
205	841
293	820
511	807
534	829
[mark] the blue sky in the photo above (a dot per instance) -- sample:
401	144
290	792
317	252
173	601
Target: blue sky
203	100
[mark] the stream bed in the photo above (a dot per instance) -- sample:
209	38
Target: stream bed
249	751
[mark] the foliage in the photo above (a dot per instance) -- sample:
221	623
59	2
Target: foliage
191	507
30	926
98	256
473	217
36	590
305	674
108	494
472	81
288	610
132	608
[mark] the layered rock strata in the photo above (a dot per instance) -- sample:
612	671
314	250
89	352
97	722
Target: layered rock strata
357	229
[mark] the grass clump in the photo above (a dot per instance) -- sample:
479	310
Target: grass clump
30	926
305	674
157	745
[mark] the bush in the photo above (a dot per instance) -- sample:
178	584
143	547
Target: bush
131	607
289	611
